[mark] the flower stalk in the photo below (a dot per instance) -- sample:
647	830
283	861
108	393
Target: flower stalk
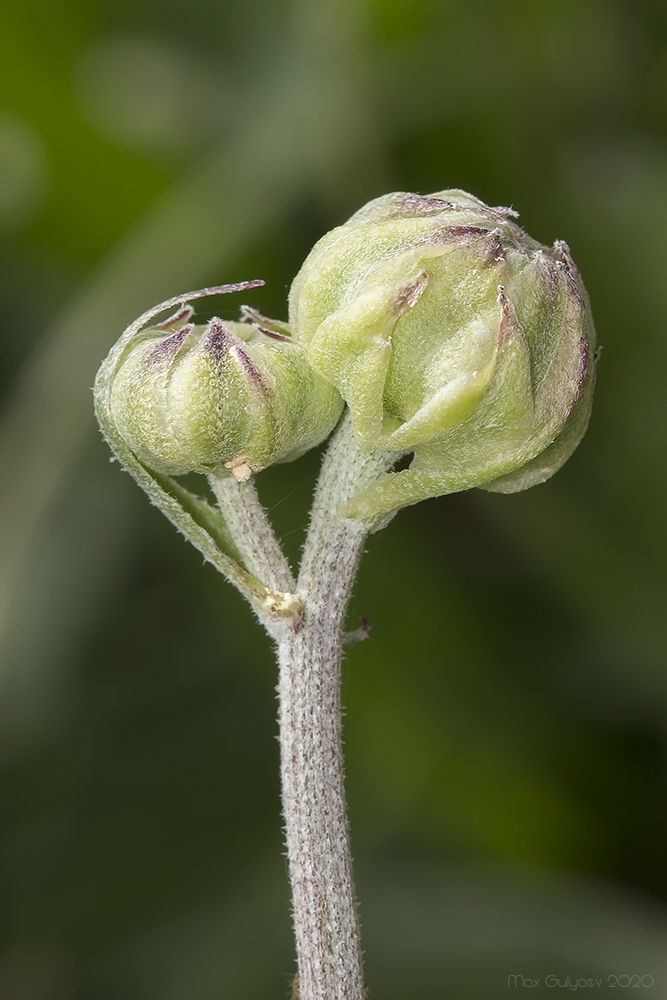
447	334
314	809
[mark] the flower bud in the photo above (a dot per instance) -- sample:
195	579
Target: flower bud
239	395
452	334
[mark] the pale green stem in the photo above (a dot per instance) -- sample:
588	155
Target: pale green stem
316	828
251	530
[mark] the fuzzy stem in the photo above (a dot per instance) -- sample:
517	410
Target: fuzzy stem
314	807
252	532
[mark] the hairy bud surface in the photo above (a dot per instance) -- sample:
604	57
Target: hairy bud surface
235	395
451	334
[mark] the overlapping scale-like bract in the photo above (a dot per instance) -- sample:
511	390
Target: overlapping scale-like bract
453	335
234	395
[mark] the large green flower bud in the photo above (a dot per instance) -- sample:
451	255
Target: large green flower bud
188	398
452	334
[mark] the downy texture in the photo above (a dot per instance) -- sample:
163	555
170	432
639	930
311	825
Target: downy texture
453	335
233	395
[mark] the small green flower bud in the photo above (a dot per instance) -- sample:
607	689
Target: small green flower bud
239	395
452	334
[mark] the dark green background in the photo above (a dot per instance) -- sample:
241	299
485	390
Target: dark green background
506	722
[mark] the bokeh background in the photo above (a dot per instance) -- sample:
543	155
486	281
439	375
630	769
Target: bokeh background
506	721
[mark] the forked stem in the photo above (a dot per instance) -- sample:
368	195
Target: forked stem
314	807
310	645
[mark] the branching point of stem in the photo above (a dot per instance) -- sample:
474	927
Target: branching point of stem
314	807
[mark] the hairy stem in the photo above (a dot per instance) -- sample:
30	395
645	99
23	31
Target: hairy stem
252	532
314	807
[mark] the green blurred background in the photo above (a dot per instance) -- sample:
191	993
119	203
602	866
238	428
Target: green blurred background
506	722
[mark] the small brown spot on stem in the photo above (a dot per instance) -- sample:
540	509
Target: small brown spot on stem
358	634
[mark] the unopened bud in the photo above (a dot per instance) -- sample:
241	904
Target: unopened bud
452	334
234	395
